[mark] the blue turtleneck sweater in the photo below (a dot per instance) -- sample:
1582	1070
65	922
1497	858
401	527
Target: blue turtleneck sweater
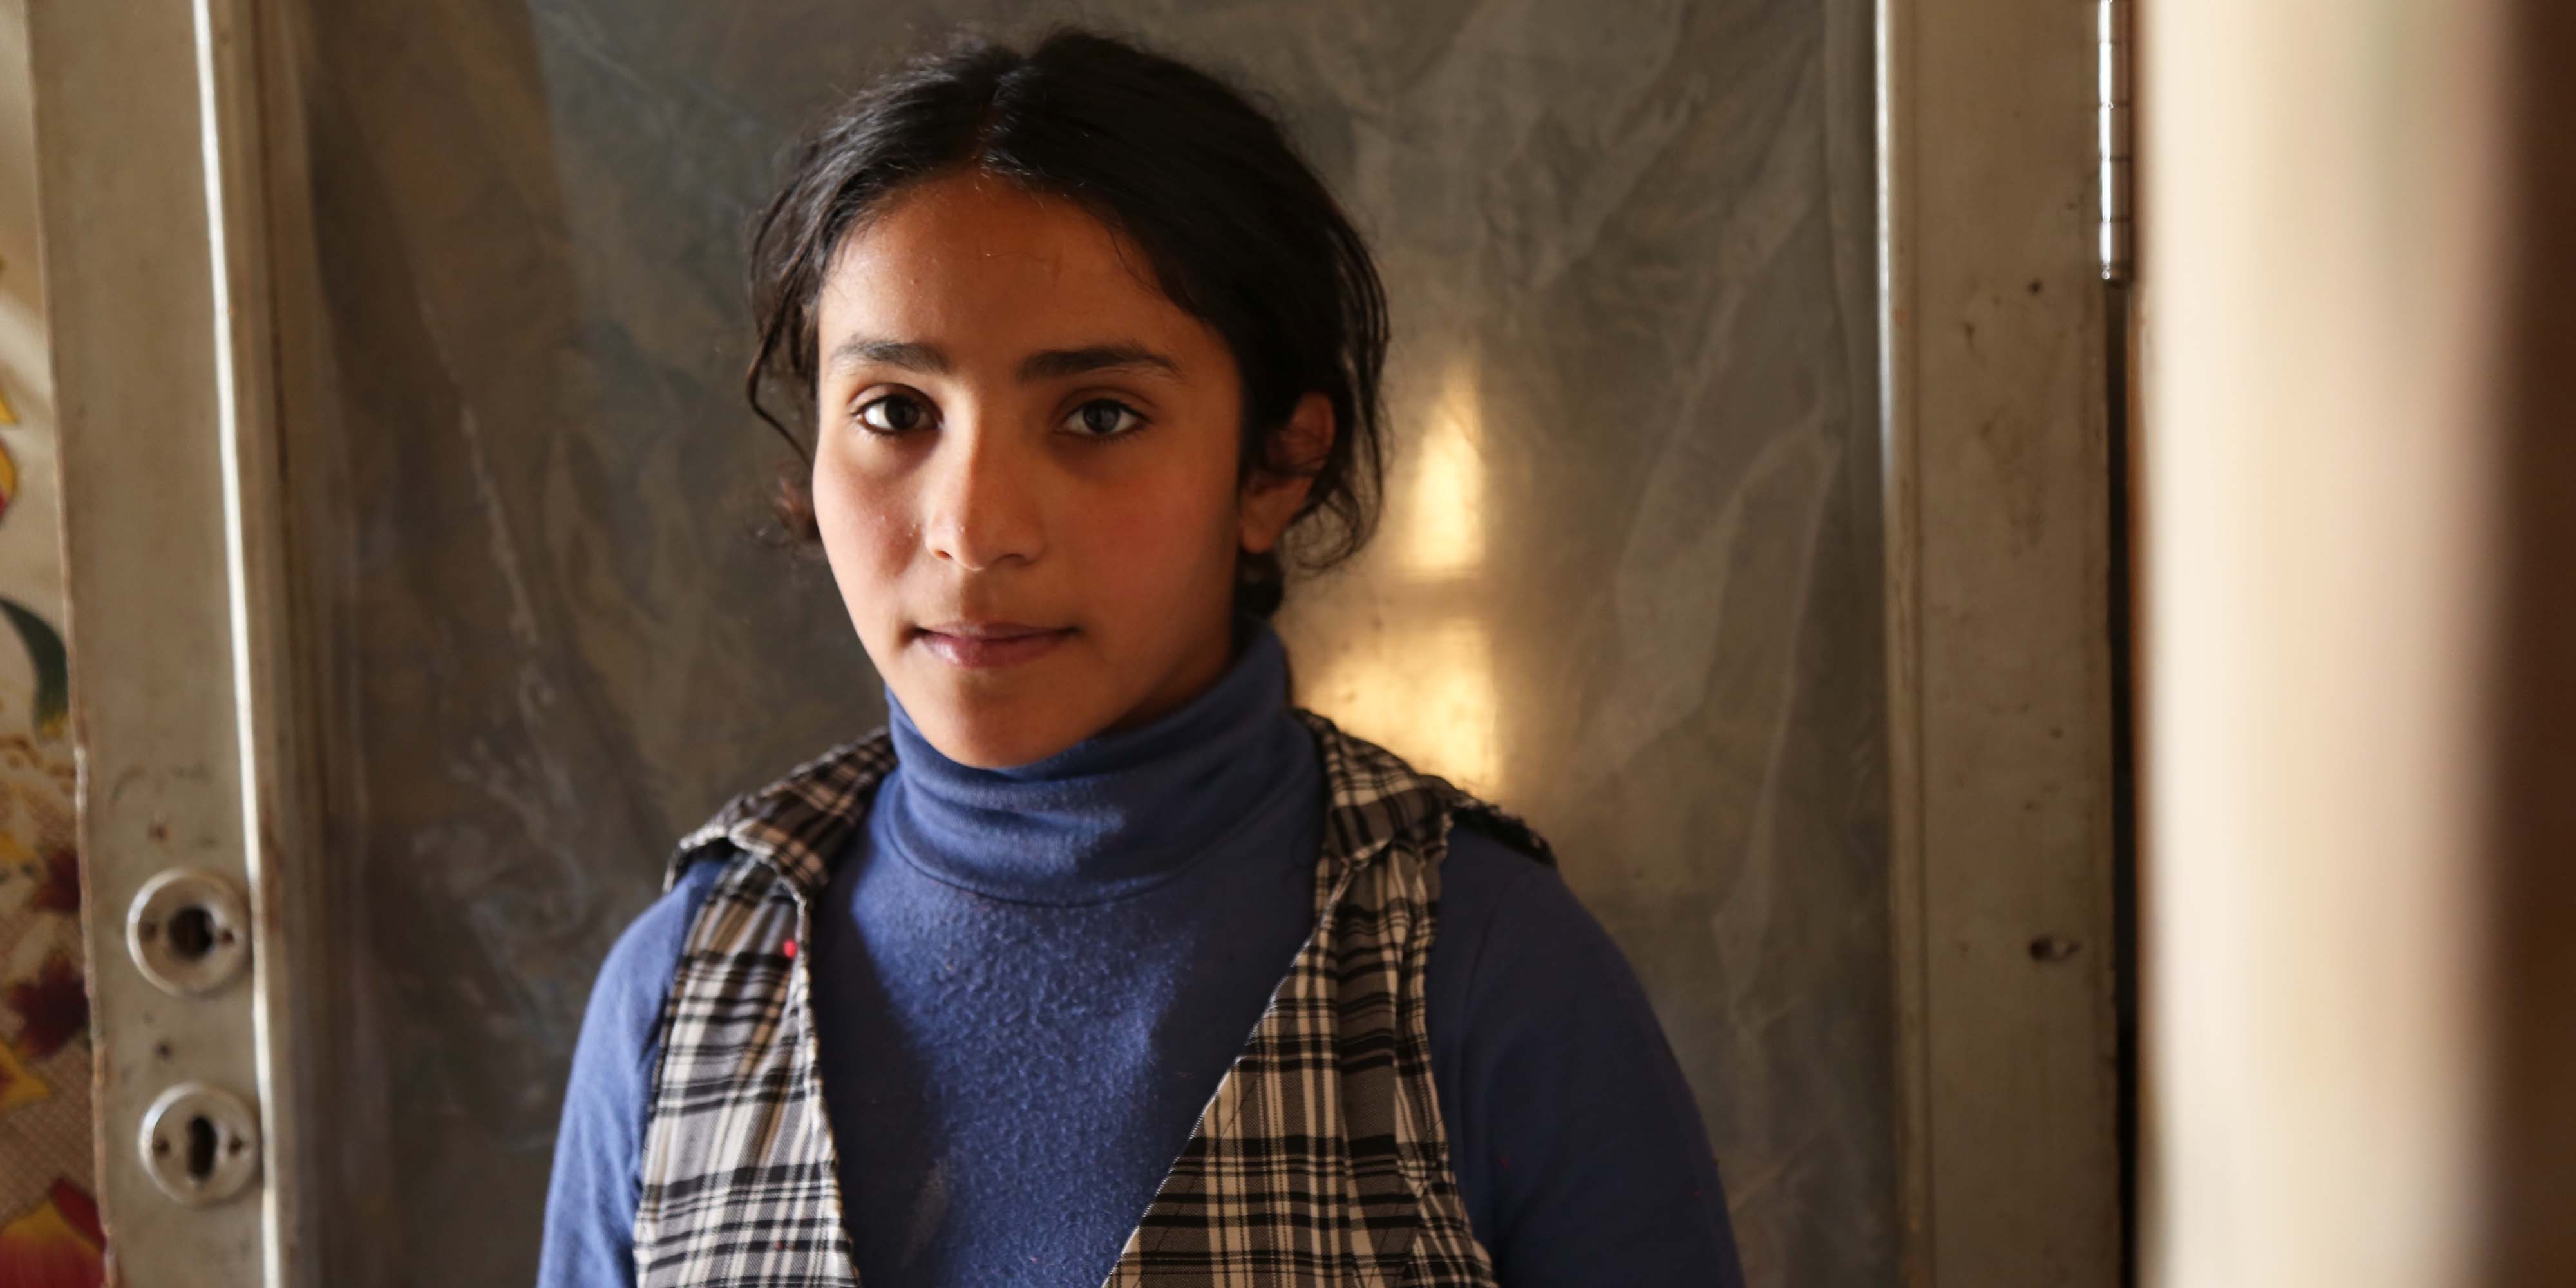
1029	981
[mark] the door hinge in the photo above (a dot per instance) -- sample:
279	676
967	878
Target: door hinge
2117	134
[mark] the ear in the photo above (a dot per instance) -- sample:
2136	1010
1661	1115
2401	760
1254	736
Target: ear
1271	497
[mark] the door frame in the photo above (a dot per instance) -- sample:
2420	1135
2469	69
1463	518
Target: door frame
154	168
1997	392
171	172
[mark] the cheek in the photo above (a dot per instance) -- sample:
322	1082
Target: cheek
861	519
1166	536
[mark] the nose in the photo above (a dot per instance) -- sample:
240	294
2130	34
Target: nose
982	506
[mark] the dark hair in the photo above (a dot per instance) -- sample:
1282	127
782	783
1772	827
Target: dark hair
1238	229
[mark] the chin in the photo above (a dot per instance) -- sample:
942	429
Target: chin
996	735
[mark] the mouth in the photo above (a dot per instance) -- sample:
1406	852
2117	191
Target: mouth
981	646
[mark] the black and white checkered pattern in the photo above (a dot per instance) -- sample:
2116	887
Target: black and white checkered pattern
1321	1158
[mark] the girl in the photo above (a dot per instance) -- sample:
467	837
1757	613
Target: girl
966	1002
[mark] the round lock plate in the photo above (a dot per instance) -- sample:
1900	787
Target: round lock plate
189	932
200	1143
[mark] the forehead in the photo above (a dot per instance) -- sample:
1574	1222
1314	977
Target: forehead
985	269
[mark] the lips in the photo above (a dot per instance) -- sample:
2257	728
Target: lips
979	646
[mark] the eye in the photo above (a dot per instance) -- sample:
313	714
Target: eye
893	414
1104	418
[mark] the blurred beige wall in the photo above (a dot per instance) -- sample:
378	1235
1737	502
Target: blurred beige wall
2354	648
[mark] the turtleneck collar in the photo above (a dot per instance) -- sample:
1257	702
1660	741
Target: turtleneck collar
1115	814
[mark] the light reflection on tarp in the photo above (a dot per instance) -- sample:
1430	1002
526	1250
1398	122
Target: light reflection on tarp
1442	507
1429	691
1427	684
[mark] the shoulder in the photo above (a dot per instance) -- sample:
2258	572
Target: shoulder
1481	874
626	1001
1522	974
1576	1139
591	1198
659	930
1373	793
1509	915
796	818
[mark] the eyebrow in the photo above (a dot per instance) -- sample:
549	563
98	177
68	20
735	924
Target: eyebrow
1046	364
907	354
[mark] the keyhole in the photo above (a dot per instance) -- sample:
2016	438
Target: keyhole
200	1144
201	1149
192	932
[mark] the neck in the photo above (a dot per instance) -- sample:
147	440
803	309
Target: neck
1113	814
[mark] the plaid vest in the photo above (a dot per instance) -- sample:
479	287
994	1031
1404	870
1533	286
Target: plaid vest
1321	1159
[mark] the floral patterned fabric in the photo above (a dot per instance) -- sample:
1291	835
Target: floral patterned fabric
49	1225
50	1235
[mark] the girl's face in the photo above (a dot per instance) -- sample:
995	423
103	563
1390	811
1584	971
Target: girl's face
1025	471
